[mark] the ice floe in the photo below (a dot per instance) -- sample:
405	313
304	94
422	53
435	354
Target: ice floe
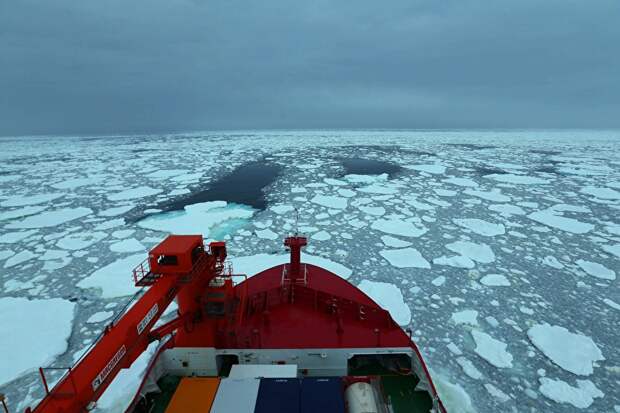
389	297
507	209
612	249
495	280
127	245
14	237
20	200
39	330
492	350
434	168
134	193
517	179
81	240
480	226
51	218
394	242
573	352
114	211
21	212
203	218
114	280
405	258
465	317
601	193
399	227
477	252
557	221
19	258
99	316
596	270
495	196
330	201
457	261
466	182
612	303
559	391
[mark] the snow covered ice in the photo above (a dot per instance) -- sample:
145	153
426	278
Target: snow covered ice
500	250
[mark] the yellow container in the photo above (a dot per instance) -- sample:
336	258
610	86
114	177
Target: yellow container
194	394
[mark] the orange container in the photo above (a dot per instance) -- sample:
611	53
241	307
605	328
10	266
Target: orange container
194	394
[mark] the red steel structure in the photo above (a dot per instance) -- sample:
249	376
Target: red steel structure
275	309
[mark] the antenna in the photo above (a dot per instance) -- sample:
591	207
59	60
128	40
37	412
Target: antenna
296	221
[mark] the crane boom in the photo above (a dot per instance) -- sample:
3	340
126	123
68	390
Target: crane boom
176	265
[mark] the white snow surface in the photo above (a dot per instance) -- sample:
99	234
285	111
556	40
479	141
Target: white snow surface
564	223
405	258
492	350
114	279
389	297
399	227
477	252
571	351
51	218
134	193
596	270
36	331
559	391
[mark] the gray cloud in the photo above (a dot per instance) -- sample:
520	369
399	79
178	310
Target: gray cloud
70	66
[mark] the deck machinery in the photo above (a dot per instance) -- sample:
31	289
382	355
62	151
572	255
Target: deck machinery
293	338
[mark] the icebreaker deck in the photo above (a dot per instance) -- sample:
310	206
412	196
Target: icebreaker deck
293	338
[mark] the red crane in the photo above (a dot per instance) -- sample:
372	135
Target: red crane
178	267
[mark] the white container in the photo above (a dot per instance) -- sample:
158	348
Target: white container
360	398
236	395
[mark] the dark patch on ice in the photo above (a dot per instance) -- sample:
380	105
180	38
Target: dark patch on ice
545	152
139	150
472	146
245	185
362	166
482	170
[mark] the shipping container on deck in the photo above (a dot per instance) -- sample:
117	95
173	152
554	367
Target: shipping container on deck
278	395
322	395
236	396
194	394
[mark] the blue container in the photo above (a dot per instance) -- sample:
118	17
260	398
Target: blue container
278	396
322	395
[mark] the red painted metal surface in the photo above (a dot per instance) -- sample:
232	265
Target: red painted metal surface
292	305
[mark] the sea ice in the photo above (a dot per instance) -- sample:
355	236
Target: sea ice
492	350
439	281
127	245
266	234
376	211
20	200
469	368
389	297
495	196
559	391
203	218
134	193
466	182
282	208
21	212
497	393
465	317
80	240
477	252
480	226
517	179
114	211
100	316
114	280
573	352
399	227
565	224
51	218
551	261
394	242
601	193
435	168
612	249
611	303
495	280
13	237
457	261
507	210
321	236
405	258
19	258
596	270
330	201
39	330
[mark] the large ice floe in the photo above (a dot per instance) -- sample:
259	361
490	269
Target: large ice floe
211	219
35	332
573	352
492	350
405	257
389	297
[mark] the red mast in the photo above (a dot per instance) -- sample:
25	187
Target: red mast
295	243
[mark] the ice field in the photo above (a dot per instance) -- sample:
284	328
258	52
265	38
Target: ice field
500	250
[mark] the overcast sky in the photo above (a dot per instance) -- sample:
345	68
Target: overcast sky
118	66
